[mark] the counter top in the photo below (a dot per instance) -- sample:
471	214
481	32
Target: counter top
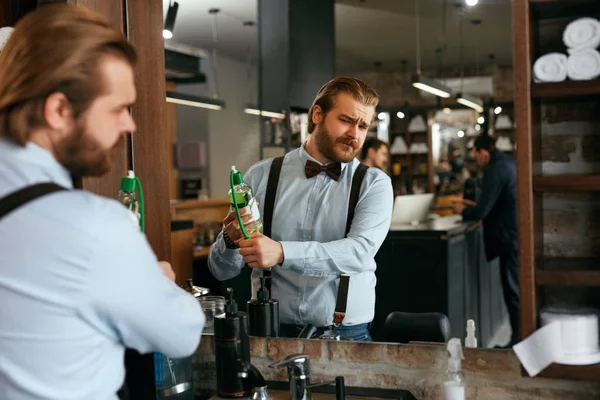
449	226
285	395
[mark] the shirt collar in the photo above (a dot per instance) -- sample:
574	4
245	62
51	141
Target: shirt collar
40	157
303	154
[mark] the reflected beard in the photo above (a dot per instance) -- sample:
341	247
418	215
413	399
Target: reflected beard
343	149
83	156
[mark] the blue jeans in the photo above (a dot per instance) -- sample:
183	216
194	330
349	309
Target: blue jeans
359	333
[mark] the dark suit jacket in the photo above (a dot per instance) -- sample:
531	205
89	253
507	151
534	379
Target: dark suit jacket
497	205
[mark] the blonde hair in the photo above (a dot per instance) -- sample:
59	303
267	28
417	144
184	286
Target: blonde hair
56	48
328	93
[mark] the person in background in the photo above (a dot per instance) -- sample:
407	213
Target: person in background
79	282
472	185
375	153
308	248
497	208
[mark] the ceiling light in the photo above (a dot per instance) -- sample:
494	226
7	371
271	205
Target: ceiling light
170	20
460	133
400	114
431	86
472	3
497	110
195	101
447	110
252	110
477	127
381	116
470	101
480	120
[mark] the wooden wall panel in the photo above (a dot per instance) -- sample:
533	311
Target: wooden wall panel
151	143
525	198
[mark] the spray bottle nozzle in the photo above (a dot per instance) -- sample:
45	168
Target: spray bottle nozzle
263	292
456	354
231	307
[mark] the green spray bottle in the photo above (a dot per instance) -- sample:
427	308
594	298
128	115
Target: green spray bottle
127	196
240	196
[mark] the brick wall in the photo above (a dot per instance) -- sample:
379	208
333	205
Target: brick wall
490	374
571	146
394	88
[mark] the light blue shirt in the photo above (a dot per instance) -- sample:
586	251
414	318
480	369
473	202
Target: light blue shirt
310	222
78	284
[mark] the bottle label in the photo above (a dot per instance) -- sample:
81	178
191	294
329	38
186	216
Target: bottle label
251	208
454	392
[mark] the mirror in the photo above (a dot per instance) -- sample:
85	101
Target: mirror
374	41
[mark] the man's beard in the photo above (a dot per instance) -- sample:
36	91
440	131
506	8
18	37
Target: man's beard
335	149
83	156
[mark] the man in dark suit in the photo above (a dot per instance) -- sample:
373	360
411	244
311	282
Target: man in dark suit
497	208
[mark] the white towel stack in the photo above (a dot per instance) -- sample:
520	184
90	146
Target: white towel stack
4	35
582	38
584	65
551	67
582	34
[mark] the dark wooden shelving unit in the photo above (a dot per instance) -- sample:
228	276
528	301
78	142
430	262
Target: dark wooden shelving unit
538	24
409	161
566	183
565	89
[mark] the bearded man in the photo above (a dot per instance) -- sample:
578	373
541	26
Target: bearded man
79	282
325	215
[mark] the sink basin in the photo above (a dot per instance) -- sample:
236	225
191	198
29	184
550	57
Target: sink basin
328	392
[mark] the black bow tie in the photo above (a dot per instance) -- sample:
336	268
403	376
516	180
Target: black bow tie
333	169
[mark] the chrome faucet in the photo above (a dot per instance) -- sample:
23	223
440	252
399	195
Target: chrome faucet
298	367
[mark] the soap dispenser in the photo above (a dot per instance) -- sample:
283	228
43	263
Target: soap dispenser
232	350
453	387
263	312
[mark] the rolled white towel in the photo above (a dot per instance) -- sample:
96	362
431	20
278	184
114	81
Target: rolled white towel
4	35
581	34
551	67
584	65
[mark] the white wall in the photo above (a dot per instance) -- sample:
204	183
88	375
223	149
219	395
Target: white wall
232	136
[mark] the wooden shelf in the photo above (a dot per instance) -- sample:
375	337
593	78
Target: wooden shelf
566	183
576	372
547	9
567	278
565	89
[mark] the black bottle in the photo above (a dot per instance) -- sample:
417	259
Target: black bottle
264	313
232	351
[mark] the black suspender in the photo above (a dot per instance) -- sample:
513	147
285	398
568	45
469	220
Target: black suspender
271	193
26	195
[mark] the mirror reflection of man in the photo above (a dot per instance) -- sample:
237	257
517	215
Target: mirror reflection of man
497	208
375	153
307	245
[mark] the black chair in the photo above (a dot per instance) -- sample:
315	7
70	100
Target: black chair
404	327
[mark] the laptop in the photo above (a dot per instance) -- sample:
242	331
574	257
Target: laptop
412	209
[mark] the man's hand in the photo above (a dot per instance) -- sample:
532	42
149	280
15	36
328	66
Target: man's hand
458	207
231	225
261	251
167	270
469	203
